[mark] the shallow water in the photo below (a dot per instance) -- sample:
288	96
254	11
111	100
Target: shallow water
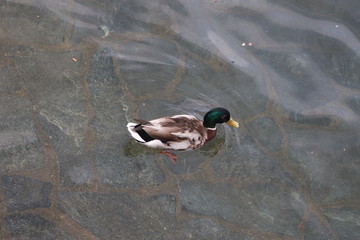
73	73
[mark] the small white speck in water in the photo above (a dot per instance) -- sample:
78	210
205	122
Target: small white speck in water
105	29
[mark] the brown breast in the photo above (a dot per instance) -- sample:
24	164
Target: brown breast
210	135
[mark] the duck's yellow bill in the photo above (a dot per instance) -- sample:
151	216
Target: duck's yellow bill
233	123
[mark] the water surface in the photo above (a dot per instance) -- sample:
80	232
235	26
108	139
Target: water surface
73	73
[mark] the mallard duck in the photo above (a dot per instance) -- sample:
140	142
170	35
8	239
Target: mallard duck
179	132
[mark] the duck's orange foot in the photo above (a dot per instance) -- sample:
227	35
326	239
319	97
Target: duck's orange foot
170	155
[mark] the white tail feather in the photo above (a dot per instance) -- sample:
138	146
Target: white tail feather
134	134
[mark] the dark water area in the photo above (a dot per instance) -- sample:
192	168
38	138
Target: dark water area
73	73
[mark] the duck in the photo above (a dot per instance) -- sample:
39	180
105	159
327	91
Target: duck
179	132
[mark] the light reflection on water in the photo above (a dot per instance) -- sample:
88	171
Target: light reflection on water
288	71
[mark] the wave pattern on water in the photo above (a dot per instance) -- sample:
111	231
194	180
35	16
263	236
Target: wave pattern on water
74	72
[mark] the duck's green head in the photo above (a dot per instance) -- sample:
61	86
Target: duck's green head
218	115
